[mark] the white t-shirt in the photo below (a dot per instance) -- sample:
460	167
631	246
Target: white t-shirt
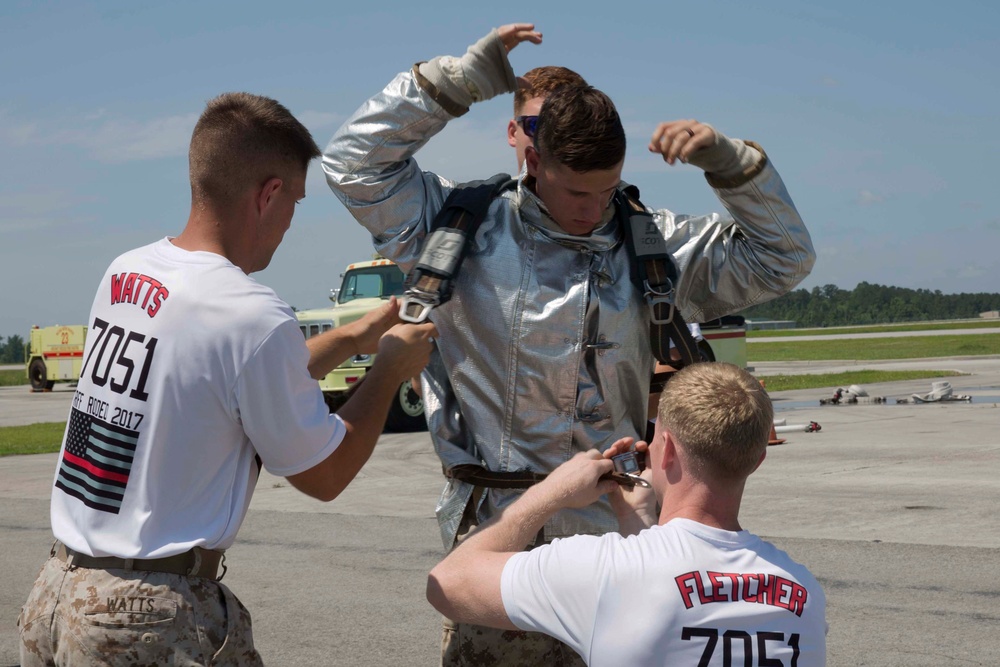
678	594
191	371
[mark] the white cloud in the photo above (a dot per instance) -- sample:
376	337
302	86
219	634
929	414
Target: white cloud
13	131
868	198
468	149
32	211
829	82
123	140
314	119
971	271
828	251
39	203
106	139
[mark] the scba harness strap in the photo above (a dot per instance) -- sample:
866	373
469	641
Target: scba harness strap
654	273
431	282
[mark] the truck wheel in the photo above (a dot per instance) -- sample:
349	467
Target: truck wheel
706	350
407	411
38	375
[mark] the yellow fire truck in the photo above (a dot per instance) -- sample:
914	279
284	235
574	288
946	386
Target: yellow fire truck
54	354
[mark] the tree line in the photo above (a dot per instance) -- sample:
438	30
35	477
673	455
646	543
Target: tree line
830	306
826	306
12	350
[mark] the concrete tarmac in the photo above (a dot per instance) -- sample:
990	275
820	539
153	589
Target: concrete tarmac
893	507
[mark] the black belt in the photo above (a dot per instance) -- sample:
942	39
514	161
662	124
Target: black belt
480	476
197	562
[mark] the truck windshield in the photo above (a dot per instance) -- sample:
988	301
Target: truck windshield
372	282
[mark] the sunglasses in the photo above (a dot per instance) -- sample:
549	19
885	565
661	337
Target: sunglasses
529	124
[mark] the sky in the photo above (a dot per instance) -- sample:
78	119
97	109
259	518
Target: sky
881	118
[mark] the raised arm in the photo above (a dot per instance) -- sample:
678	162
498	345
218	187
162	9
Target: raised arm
369	162
730	263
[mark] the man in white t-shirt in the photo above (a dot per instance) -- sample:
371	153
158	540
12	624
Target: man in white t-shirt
686	587
195	377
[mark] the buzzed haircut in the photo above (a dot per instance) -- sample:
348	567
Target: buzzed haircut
722	417
241	140
579	127
542	81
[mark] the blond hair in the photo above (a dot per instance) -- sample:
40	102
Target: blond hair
241	140
720	415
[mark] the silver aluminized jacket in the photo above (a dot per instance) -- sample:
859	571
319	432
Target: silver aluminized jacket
514	383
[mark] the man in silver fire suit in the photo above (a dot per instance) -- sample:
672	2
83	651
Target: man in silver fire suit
543	350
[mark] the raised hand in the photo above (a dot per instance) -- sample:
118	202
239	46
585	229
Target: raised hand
513	34
375	323
679	139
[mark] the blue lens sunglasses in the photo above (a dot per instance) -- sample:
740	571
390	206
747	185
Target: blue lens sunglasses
529	124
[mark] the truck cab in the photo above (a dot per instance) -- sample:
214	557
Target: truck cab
365	286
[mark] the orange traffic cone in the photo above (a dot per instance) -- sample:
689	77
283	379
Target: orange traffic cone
773	438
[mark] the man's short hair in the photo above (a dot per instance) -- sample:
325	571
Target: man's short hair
542	81
579	127
241	140
722	417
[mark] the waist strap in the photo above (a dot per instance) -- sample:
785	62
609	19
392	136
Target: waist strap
480	476
197	562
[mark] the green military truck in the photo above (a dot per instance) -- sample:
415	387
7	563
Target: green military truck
366	285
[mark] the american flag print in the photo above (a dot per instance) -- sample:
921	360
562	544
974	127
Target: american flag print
96	461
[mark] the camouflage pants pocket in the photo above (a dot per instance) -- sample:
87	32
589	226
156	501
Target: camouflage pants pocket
131	626
114	617
34	622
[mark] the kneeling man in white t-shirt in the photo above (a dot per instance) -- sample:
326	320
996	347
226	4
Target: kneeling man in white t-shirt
689	585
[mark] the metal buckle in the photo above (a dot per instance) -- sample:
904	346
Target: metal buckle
418	302
629	479
196	565
653	298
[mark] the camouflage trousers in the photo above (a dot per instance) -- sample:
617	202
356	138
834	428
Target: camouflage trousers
464	645
79	616
473	645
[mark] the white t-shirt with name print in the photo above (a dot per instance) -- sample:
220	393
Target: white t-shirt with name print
678	594
192	370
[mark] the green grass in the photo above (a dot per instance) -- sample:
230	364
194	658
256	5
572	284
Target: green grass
786	382
13	378
33	439
917	347
875	328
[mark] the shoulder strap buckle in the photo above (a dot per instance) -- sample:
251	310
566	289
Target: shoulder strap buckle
416	305
655	298
431	281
